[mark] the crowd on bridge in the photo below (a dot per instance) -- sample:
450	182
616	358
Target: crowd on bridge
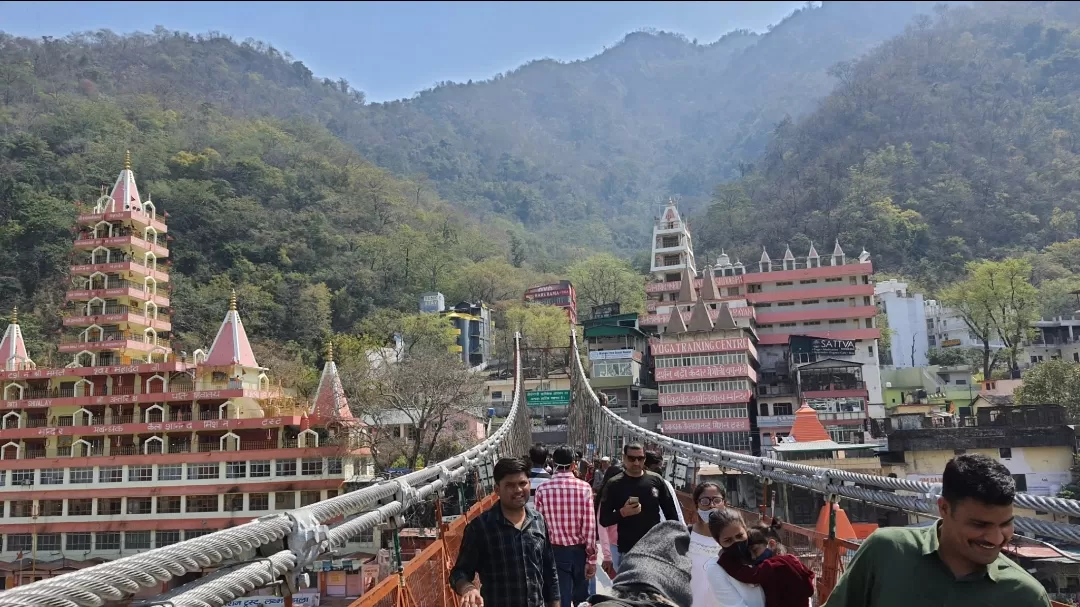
538	545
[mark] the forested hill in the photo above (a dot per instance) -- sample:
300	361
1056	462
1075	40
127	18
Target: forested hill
564	148
954	141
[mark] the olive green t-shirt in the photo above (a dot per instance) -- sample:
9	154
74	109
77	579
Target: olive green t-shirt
900	567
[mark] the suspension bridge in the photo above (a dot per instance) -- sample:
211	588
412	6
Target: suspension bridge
274	550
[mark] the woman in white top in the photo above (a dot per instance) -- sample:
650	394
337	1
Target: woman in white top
728	529
703	548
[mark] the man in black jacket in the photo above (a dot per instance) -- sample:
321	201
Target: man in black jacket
634	499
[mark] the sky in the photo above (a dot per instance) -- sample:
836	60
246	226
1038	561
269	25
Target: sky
391	50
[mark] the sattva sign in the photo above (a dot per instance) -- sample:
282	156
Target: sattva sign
822	346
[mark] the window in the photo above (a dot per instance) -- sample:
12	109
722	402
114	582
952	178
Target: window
961	382
48	542
1005	452
366	537
111	474
52	477
167	538
137	540
870	350
1021	482
784	284
140	474
333	465
781	408
259	501
168	504
22	477
837	279
234	502
284	500
258	469
311	466
20	542
107	506
139	505
235	469
787	324
810	302
808	282
22	508
612	369
81	507
286	467
191	534
331	493
496	395
783	304
308	498
77	542
170	472
106	541
202	503
51	508
838	322
203	471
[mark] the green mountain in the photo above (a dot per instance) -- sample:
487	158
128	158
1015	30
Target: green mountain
563	149
953	141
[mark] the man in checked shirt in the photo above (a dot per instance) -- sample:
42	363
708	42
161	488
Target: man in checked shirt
566	503
508	547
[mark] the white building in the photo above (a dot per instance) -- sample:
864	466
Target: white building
907	321
946	329
672	248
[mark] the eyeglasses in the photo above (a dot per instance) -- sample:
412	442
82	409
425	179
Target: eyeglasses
634	458
711	501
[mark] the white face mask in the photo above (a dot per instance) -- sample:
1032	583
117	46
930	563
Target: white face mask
704	515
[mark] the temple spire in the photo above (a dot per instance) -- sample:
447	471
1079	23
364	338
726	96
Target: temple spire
13	356
330	402
231	346
125	194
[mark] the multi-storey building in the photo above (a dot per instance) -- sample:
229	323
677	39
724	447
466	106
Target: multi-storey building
706	369
127	448
672	247
946	329
812	322
560	294
906	313
619	363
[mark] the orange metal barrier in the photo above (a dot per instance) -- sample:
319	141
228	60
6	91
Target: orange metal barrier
425	580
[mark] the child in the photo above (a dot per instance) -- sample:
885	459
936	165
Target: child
759	559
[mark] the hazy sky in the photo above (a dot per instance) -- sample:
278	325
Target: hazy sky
391	50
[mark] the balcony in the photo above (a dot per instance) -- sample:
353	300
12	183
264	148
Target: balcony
144	219
117	263
99	449
89	240
111	340
111	314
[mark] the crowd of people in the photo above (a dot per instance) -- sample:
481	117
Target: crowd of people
538	546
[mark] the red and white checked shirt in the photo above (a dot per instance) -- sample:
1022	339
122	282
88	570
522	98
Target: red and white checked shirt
567	505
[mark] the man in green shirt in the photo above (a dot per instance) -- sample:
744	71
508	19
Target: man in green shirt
956	562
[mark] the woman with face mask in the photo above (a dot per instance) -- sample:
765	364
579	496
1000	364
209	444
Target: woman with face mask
761	560
729	531
708	497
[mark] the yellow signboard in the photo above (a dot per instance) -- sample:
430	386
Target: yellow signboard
948	343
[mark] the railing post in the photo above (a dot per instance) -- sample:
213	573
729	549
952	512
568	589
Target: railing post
830	565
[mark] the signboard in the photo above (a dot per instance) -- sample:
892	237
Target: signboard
298	600
698	347
948	343
801	344
547	398
680	399
732	424
432	302
605	310
702	372
611	354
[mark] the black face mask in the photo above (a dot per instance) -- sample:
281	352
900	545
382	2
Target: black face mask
741	548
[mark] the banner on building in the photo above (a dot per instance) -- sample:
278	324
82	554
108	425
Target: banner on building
820	346
612	354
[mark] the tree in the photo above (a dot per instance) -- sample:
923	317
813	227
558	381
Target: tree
421	384
996	300
1052	382
603	278
491	280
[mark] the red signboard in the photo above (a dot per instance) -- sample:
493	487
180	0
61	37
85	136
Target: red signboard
680	399
739	344
731	424
83	371
663	287
702	372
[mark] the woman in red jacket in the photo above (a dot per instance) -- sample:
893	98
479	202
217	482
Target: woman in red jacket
760	559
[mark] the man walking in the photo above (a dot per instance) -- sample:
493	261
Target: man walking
655	463
956	562
635	499
538	475
508	547
567	507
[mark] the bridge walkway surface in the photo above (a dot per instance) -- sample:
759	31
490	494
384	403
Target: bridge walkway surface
273	551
